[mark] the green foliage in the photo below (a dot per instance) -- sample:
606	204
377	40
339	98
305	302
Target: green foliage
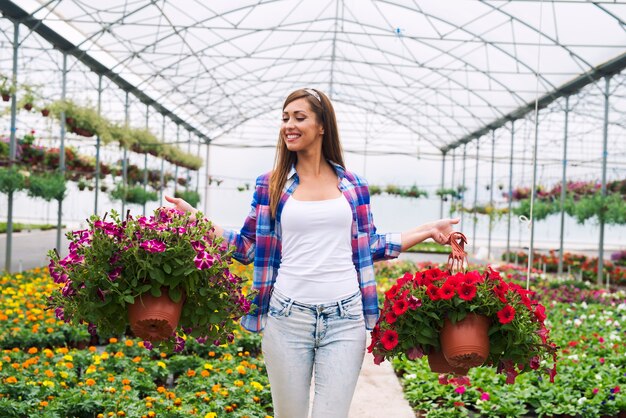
190	196
81	119
47	186
11	180
133	194
17	227
453	193
611	209
541	209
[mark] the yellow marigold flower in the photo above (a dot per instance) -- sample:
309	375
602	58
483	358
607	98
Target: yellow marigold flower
63	375
100	416
178	402
112	390
90	369
256	385
228	408
68	358
161	364
224	392
121	413
151	414
208	366
104	356
238	383
211	415
149	405
140	344
241	370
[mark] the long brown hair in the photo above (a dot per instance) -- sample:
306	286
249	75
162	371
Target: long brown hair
331	146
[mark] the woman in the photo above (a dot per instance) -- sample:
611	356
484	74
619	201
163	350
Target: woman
313	243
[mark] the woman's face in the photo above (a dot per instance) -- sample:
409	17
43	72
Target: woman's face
300	129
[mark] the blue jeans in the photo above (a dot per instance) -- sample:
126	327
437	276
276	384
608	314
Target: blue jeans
301	338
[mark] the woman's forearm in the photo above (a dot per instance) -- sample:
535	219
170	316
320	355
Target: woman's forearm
416	235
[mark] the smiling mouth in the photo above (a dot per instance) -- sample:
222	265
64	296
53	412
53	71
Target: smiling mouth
291	137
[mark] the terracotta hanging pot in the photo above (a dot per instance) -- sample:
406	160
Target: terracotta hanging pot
154	318
6	97
439	364
466	343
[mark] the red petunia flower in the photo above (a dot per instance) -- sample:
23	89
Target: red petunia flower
433	292
540	313
466	291
391	317
506	314
447	291
389	339
400	307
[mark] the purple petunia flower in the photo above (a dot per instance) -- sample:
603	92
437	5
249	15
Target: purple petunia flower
147	344
68	290
100	294
198	246
203	260
92	329
179	345
153	246
58	312
115	273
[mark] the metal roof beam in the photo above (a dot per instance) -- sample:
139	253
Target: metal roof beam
14	12
614	66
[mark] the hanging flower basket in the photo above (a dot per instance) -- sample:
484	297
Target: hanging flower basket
6	97
45	112
420	308
154	318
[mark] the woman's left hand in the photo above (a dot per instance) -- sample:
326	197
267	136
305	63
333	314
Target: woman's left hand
442	229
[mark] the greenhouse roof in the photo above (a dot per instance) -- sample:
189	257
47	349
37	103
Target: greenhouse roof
402	73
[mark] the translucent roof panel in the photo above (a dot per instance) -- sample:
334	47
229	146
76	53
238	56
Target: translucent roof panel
429	71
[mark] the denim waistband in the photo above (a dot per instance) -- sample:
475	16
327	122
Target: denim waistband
341	304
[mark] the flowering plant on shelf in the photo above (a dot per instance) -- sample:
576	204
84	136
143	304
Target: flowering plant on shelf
416	306
113	264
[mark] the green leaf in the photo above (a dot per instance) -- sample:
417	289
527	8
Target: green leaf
167	268
175	294
129	299
156	291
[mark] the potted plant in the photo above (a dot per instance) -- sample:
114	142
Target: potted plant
6	88
419	306
122	263
27	99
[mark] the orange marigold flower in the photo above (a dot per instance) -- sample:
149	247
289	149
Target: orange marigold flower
178	402
205	373
160	389
126	388
141	369
112	340
32	350
129	343
90	382
125	382
228	408
191	373
11	379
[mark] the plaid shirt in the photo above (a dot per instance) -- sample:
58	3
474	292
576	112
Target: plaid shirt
260	241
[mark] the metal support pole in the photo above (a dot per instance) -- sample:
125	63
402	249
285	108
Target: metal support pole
145	160
443	183
12	147
475	196
508	226
188	178
463	188
563	187
492	213
198	171
162	164
206	183
176	165
605	134
97	186
125	157
531	247
452	197
62	151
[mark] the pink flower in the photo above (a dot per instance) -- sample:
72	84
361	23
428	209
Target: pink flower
460	390
203	260
198	246
153	246
484	396
414	353
414	302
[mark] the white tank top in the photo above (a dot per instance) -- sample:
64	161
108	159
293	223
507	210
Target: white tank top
316	264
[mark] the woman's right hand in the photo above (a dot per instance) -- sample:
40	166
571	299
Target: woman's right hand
181	205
